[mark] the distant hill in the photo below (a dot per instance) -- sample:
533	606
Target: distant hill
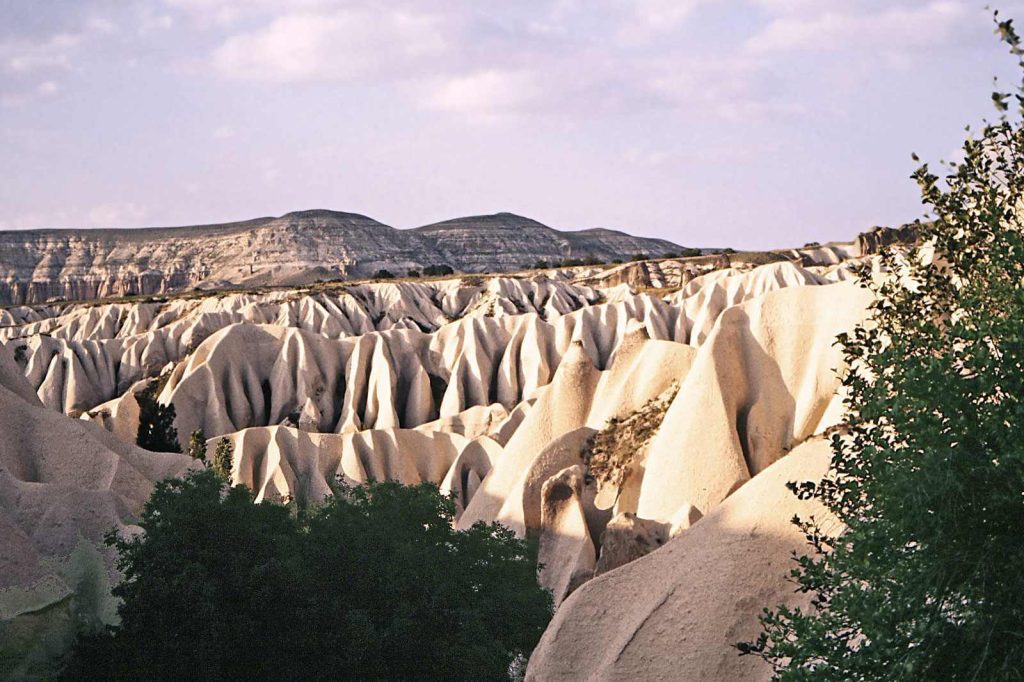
296	248
506	241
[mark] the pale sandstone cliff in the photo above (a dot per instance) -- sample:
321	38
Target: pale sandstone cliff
301	247
493	390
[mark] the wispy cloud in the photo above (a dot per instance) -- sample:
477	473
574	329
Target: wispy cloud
892	28
344	45
487	93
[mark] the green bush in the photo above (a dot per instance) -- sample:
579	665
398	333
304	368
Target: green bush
925	582
224	459
373	584
156	422
383	274
197	445
438	270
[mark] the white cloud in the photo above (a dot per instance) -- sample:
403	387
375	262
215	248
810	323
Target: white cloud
648	18
208	13
895	28
47	88
343	45
731	88
487	93
22	57
647	158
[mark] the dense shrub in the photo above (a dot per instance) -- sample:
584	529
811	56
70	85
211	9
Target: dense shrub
197	445
156	422
223	459
925	581
383	274
438	270
373	584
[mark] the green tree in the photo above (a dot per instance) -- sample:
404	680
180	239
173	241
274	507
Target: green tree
156	422
925	580
375	583
197	445
224	459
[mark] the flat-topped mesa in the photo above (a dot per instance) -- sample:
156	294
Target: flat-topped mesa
40	265
506	241
294	249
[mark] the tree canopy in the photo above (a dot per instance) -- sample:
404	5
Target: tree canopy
925	580
375	583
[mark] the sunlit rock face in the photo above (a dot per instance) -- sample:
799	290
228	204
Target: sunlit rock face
641	422
297	248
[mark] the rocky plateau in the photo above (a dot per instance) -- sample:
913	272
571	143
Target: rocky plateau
38	266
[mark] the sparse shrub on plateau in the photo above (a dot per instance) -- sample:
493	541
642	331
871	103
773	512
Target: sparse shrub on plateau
925	581
373	584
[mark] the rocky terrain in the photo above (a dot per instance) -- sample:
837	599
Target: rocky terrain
641	420
37	266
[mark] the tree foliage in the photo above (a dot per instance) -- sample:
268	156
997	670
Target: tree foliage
156	422
197	445
373	584
224	459
925	581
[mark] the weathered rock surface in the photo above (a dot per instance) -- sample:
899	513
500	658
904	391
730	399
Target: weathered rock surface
505	241
492	389
63	484
676	613
301	247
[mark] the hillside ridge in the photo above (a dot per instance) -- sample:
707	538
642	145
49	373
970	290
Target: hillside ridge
296	248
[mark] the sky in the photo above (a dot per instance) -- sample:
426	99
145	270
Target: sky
744	123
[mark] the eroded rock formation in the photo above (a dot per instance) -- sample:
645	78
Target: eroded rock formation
644	437
301	247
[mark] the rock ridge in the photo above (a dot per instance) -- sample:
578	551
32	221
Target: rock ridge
297	248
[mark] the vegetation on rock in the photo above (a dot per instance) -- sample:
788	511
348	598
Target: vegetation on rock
197	445
611	451
223	459
156	421
438	270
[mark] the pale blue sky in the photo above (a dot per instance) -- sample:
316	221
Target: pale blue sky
751	123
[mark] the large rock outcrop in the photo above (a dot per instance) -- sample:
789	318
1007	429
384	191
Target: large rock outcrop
676	613
301	247
63	484
643	438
